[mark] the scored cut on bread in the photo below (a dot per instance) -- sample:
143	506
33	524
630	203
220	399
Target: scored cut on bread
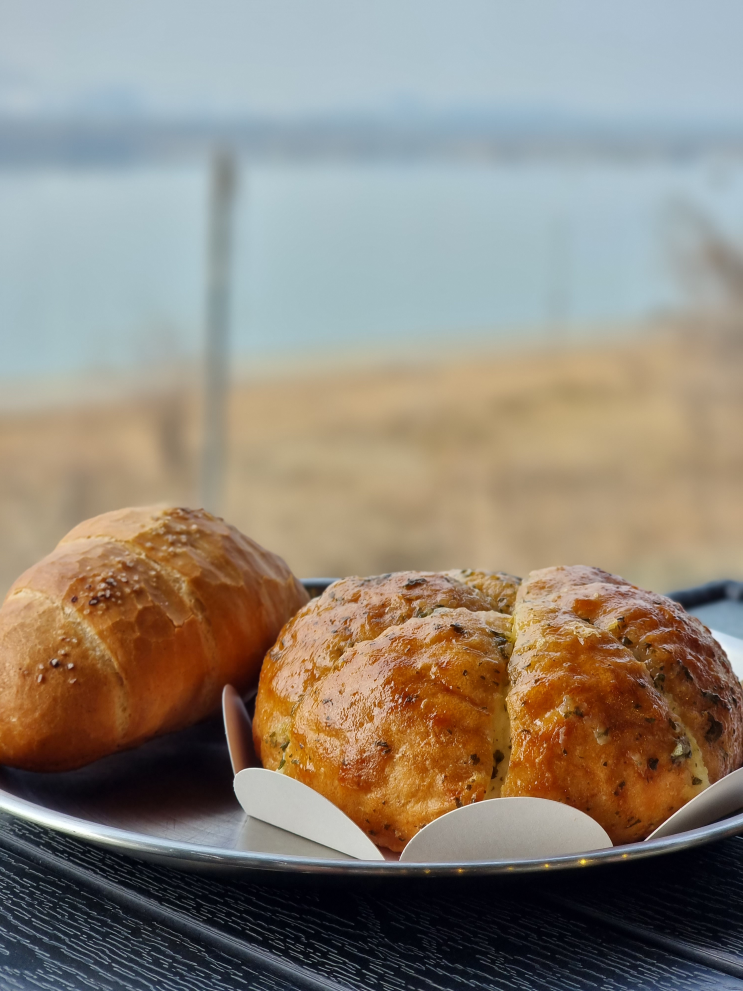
130	628
404	696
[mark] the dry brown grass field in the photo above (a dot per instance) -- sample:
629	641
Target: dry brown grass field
627	455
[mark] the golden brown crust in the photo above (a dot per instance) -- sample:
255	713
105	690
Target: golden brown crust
592	724
130	628
498	586
688	667
37	716
386	695
619	703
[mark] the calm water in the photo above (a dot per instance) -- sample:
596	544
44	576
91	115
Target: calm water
106	268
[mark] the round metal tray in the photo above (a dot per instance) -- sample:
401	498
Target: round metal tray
171	801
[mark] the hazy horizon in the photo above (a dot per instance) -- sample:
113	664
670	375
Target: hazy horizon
666	61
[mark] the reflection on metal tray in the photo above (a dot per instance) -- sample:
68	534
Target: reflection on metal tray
171	800
176	790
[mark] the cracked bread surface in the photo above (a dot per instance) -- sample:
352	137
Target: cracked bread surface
386	694
602	716
401	697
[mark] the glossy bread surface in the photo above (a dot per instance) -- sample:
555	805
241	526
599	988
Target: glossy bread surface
621	704
387	695
129	629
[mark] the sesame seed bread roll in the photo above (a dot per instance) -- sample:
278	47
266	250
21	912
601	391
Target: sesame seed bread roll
130	628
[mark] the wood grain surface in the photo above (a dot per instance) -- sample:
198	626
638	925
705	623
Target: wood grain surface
85	914
56	935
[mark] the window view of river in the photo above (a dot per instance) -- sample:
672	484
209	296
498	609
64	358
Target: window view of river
104	268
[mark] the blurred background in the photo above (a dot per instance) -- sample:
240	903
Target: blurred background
408	284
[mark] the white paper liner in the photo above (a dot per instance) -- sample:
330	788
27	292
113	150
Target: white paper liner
282	809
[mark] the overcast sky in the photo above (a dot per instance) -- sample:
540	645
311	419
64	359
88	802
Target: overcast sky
654	58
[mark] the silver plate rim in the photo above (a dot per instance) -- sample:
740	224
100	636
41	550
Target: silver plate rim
195	856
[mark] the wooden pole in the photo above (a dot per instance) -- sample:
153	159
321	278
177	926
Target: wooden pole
558	274
216	352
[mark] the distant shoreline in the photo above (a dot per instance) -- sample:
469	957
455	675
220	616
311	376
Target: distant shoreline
467	134
108	385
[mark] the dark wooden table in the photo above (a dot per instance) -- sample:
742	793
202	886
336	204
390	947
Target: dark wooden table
75	917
